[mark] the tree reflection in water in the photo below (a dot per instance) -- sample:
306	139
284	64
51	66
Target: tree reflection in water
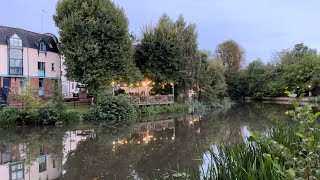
146	150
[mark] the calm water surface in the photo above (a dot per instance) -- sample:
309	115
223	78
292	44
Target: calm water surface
144	150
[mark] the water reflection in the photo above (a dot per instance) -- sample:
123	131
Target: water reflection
145	150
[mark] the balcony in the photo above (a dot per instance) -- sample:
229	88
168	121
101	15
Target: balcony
41	73
152	100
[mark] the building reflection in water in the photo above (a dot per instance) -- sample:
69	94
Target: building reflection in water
21	162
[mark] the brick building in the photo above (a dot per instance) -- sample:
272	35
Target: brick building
29	57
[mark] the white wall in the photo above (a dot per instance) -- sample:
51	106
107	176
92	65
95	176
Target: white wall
3	60
31	59
4	172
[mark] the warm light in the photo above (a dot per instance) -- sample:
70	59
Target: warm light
112	83
113	142
153	83
172	137
126	142
138	84
138	142
125	84
309	86
154	138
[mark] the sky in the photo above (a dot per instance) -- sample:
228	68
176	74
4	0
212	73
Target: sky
261	27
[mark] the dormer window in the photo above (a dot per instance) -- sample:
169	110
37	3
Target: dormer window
42	47
15	41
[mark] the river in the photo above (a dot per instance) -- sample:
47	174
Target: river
85	151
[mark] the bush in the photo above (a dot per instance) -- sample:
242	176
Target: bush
162	109
9	117
70	117
49	114
113	110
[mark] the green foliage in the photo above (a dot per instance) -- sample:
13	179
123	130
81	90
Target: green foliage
70	117
296	69
169	52
35	111
113	111
162	109
232	57
95	42
295	151
49	114
212	84
9	117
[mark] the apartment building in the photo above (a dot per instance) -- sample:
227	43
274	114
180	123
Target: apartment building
27	56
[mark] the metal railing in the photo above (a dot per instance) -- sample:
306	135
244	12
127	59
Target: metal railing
152	100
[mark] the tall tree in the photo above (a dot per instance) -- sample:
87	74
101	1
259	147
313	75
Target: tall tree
169	52
232	57
231	54
95	42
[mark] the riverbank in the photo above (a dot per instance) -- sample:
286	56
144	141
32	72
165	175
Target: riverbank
278	100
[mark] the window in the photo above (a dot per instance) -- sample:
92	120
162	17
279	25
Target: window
15	41
17	171
72	85
41	69
15	56
52	66
42	47
42	163
41	66
53	163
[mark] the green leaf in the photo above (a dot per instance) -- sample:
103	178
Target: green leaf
291	172
254	134
300	135
317	115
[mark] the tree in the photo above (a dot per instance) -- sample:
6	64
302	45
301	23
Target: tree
231	54
232	57
95	42
302	73
169	52
212	82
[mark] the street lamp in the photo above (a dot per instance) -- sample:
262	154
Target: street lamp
112	84
310	93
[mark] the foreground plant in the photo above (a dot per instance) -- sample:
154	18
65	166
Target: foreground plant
295	150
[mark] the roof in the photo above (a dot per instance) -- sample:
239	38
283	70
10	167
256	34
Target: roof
29	39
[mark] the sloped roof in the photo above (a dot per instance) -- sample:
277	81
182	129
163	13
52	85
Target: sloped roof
29	39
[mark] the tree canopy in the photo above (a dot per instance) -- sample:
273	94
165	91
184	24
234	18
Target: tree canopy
95	42
168	51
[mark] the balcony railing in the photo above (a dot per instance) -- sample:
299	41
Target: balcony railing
152	100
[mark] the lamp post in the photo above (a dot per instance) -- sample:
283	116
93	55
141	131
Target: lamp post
112	84
310	93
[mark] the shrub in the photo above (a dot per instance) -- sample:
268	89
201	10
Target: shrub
162	109
113	110
49	114
70	117
9	117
